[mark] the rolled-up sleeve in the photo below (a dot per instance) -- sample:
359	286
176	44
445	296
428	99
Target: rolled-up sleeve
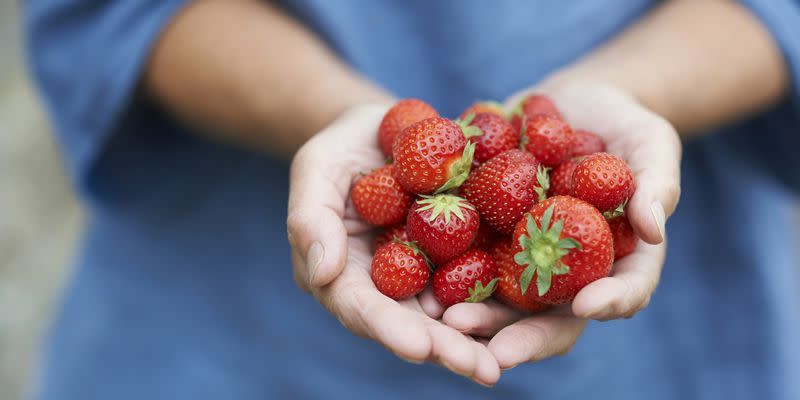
769	142
782	20
86	58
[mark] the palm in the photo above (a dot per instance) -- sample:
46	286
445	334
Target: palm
652	149
322	174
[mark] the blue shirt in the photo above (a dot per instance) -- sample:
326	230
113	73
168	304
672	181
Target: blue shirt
183	285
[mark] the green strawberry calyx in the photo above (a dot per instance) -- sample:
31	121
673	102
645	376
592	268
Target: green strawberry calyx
415	249
617	212
445	205
544	182
516	111
523	138
480	293
459	170
542	249
467	129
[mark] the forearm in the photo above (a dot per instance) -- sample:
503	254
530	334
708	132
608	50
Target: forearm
696	63
242	71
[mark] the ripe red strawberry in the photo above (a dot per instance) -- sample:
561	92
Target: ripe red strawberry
561	178
505	187
603	180
400	270
388	234
379	199
470	277
508	291
532	106
491	134
491	107
585	143
443	226
402	114
548	138
485	237
564	244
432	155
625	239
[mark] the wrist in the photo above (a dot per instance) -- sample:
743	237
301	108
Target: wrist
340	99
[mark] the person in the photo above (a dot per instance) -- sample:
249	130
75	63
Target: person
177	120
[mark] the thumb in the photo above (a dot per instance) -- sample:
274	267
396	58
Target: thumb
315	228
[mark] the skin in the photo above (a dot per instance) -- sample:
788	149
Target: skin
634	91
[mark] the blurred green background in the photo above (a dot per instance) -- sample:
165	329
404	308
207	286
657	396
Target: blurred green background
39	217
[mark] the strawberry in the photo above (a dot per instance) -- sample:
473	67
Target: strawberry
491	107
561	178
379	199
625	239
388	234
585	143
470	277
532	106
505	187
443	226
400	270
508	291
564	244
432	155
485	237
603	180
400	116
548	138
491	134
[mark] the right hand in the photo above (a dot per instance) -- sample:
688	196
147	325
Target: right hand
331	253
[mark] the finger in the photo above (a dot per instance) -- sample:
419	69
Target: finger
627	291
315	227
452	349
321	174
480	319
654	157
487	371
536	338
300	274
353	299
429	304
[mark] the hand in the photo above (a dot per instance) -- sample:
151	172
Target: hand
652	149
331	253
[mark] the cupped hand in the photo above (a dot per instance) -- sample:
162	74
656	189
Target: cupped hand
331	253
652	149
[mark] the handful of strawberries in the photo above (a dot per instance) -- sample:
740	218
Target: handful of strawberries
489	205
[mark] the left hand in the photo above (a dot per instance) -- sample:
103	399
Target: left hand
651	147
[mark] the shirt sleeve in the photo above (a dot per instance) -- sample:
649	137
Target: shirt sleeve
772	139
782	20
86	58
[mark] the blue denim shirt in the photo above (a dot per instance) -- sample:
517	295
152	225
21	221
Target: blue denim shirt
183	286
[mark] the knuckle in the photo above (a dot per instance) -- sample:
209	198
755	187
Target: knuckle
296	223
566	349
300	281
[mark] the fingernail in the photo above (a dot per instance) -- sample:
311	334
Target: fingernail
314	258
659	218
